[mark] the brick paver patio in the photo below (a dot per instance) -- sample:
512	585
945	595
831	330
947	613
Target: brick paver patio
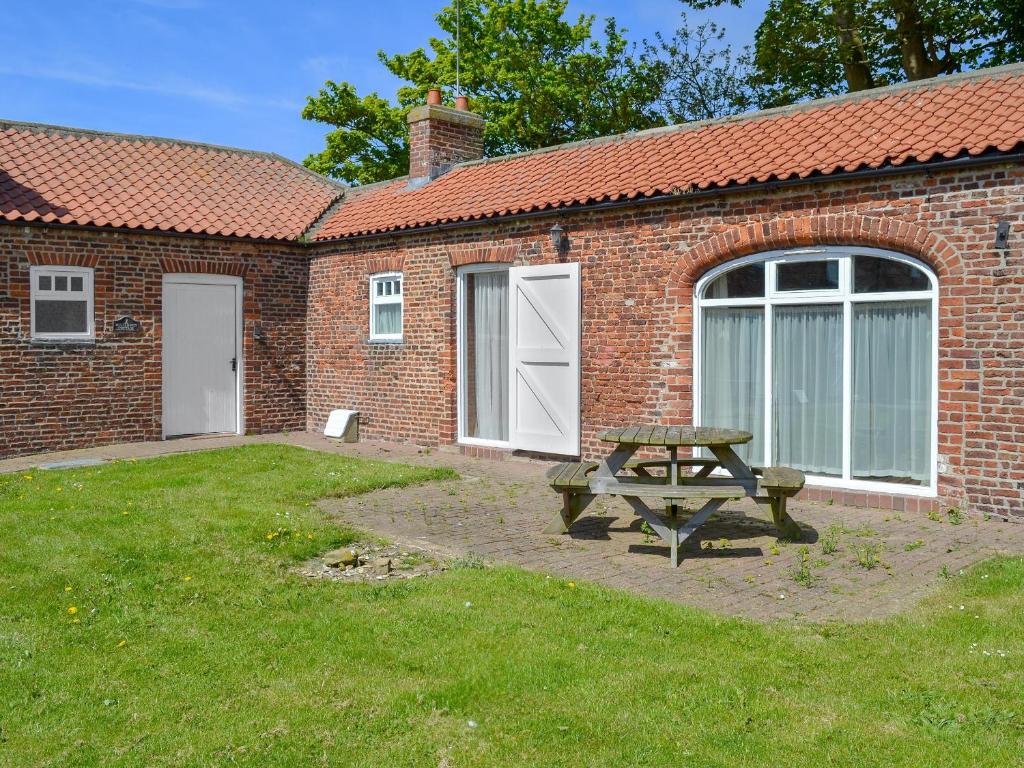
733	565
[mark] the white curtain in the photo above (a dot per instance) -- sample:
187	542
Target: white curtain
487	292
892	390
807	347
388	319
733	377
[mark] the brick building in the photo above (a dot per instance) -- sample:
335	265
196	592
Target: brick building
844	278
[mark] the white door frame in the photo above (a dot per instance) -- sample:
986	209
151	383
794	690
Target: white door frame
174	278
460	353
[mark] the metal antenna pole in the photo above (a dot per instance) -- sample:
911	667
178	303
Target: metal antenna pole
458	47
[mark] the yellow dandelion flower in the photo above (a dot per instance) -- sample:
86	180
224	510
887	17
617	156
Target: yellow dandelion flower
67	588
72	610
188	578
571	585
309	536
270	537
27	477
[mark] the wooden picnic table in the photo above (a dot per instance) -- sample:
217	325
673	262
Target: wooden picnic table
678	479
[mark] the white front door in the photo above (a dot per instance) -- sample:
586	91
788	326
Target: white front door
201	354
544	343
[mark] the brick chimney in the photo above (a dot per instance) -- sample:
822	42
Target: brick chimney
440	137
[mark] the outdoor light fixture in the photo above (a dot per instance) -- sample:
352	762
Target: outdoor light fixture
559	239
1002	235
257	333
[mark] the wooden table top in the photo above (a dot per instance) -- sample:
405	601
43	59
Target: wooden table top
675	436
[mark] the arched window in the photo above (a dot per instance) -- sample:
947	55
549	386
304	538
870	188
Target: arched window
829	357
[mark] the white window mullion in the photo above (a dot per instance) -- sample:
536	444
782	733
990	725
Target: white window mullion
847	386
846	284
769	385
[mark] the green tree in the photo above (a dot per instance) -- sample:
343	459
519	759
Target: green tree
701	79
535	77
813	48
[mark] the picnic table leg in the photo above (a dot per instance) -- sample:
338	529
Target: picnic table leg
673	526
787	525
573	505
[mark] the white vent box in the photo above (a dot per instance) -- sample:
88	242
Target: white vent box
343	425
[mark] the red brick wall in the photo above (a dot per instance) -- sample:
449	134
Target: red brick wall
55	397
639	266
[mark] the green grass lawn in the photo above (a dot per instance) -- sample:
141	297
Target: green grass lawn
194	645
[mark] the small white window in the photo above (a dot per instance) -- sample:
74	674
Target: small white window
62	303
386	307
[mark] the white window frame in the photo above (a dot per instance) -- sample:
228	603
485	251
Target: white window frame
844	296
460	355
35	294
375	300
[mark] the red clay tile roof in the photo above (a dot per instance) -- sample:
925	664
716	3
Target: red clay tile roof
923	122
64	175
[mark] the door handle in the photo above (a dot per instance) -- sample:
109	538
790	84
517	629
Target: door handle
234	365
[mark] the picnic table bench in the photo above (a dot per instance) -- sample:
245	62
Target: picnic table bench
674	480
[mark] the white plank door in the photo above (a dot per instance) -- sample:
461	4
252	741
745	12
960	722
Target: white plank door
200	355
544	343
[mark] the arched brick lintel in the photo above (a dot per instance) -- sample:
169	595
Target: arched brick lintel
804	231
379	264
482	254
63	260
203	267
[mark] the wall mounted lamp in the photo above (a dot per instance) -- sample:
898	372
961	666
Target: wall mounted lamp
559	239
1002	235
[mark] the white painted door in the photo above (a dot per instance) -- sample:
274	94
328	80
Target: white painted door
544	330
200	354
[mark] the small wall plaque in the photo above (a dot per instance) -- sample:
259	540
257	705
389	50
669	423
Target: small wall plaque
127	324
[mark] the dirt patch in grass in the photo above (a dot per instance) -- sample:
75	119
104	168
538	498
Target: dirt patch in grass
373	562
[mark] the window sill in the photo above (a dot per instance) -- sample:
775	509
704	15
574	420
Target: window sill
392	342
62	343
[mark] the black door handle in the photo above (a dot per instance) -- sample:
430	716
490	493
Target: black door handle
234	365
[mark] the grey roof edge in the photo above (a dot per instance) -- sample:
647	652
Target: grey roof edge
348	193
991	73
48	128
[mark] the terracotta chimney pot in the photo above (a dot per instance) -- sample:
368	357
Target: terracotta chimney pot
434	96
462	102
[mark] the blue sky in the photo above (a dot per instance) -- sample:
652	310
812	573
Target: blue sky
234	73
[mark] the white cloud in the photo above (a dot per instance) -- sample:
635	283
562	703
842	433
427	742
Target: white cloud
175	87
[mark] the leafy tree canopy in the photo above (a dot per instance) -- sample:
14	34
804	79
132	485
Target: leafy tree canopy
814	48
535	77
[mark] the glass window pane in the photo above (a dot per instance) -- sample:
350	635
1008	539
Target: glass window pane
387	319
45	283
77	284
60	283
380	287
398	287
733	374
485	346
807	275
892	391
807	346
872	274
745	282
61	316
